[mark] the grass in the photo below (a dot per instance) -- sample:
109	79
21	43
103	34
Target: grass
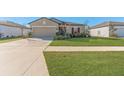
85	63
5	40
89	42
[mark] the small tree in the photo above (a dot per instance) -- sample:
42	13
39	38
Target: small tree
30	34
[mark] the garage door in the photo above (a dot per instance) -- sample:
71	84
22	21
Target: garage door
120	32
43	32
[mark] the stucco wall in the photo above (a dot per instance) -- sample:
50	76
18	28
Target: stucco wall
44	28
26	32
43	22
69	28
119	31
100	32
12	31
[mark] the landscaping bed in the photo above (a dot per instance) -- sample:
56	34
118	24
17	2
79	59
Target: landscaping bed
85	63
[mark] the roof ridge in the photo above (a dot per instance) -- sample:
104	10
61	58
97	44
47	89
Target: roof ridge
108	23
11	23
56	19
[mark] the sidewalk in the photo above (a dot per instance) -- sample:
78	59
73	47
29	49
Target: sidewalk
83	48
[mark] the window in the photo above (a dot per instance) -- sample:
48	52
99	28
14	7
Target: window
44	22
78	30
72	30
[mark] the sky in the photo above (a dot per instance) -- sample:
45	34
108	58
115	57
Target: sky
88	20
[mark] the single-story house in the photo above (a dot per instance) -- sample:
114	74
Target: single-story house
108	29
11	29
48	27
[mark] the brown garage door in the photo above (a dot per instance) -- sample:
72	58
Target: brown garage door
44	32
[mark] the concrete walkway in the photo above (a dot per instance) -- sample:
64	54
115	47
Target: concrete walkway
83	48
23	57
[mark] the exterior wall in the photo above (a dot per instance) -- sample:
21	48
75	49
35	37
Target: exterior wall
44	28
120	31
69	28
26	31
44	32
43	22
100	32
9	31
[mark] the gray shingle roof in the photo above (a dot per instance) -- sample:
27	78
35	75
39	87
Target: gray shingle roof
56	20
12	24
110	23
63	22
74	24
59	21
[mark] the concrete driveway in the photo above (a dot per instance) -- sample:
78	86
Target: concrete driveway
23	57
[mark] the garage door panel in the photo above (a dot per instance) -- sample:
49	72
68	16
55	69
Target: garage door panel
44	32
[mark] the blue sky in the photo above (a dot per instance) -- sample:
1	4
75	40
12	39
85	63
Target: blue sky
89	20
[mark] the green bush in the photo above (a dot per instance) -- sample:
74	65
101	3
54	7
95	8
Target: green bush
81	35
67	35
114	35
61	37
30	34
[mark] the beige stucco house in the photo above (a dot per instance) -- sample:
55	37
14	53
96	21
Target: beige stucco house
47	27
10	29
108	29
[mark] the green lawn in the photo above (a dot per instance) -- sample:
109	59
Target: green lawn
5	40
85	63
89	42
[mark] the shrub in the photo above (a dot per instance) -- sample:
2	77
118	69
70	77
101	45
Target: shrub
114	35
82	35
60	33
86	34
67	35
59	37
30	34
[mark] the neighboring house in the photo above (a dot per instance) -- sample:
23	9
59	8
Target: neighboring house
11	29
48	27
108	29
